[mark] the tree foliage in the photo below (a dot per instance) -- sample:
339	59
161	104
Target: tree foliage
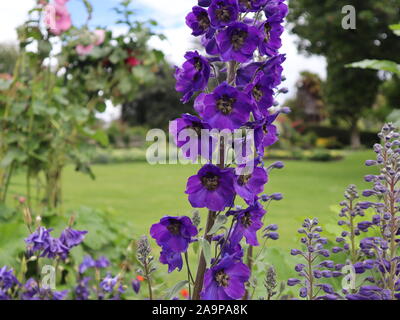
349	92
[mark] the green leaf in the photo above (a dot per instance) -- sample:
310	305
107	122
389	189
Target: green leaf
218	223
384	65
205	245
172	293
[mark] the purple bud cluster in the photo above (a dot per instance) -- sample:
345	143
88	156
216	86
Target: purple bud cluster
315	267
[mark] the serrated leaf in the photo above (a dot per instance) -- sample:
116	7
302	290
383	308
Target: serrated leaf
218	223
172	293
205	245
384	65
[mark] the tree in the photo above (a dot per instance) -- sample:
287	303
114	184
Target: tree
156	104
348	92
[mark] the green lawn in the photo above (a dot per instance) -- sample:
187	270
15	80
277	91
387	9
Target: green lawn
142	193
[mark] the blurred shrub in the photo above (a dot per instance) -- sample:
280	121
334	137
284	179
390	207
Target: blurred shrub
342	136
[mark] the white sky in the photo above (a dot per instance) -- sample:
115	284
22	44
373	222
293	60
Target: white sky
171	17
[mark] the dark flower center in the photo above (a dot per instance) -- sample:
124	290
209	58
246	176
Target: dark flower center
174	227
223	14
198	64
238	39
225	105
265	129
210	182
257	93
222	278
243	179
203	20
246	220
267	30
246	3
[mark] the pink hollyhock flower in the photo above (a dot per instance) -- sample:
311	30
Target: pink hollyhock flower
84	50
100	35
61	2
57	18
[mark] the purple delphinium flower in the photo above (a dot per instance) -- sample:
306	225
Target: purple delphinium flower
173	233
238	42
249	182
265	133
172	259
272	68
193	76
200	136
261	93
225	108
199	21
248	222
370	293
223	12
211	188
276	9
251	5
271	32
226	280
72	238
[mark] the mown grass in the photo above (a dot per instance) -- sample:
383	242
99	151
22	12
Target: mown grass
142	193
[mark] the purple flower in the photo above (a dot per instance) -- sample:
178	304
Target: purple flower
38	239
247	224
276	10
174	233
199	21
109	283
102	262
223	12
250	182
271	37
200	136
33	292
265	133
238	42
172	259
251	5
225	108
87	263
293	282
226	280
7	279
272	68
193	76
136	285
53	248
370	293
82	290
211	188
261	92
72	238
